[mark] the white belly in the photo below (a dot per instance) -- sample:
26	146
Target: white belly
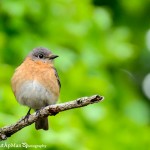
34	95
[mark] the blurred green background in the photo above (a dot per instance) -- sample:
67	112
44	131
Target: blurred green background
104	48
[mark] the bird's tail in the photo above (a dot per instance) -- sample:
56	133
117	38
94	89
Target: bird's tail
42	123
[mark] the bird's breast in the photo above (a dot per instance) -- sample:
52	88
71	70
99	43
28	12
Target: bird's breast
34	95
35	84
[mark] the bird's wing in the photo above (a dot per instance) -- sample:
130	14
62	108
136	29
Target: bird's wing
57	77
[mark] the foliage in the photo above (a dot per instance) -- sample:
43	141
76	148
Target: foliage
102	50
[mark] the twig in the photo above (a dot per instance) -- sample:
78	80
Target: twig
50	110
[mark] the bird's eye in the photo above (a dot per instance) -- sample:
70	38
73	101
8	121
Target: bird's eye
40	56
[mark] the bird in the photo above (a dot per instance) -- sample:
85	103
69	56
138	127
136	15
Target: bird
36	84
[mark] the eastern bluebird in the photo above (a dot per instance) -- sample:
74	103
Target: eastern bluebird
35	82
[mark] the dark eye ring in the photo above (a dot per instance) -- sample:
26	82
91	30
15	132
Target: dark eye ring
40	56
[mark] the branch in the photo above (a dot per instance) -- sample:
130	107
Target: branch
50	110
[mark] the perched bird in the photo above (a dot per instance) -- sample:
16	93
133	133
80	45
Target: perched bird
35	82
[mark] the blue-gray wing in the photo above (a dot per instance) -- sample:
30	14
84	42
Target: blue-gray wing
57	77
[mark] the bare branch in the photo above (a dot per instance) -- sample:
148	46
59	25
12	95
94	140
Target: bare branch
50	110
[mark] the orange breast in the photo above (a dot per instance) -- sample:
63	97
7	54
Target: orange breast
31	70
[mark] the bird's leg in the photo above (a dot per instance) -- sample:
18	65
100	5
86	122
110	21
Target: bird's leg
27	115
37	111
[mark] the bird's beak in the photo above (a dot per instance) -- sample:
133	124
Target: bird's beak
53	56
